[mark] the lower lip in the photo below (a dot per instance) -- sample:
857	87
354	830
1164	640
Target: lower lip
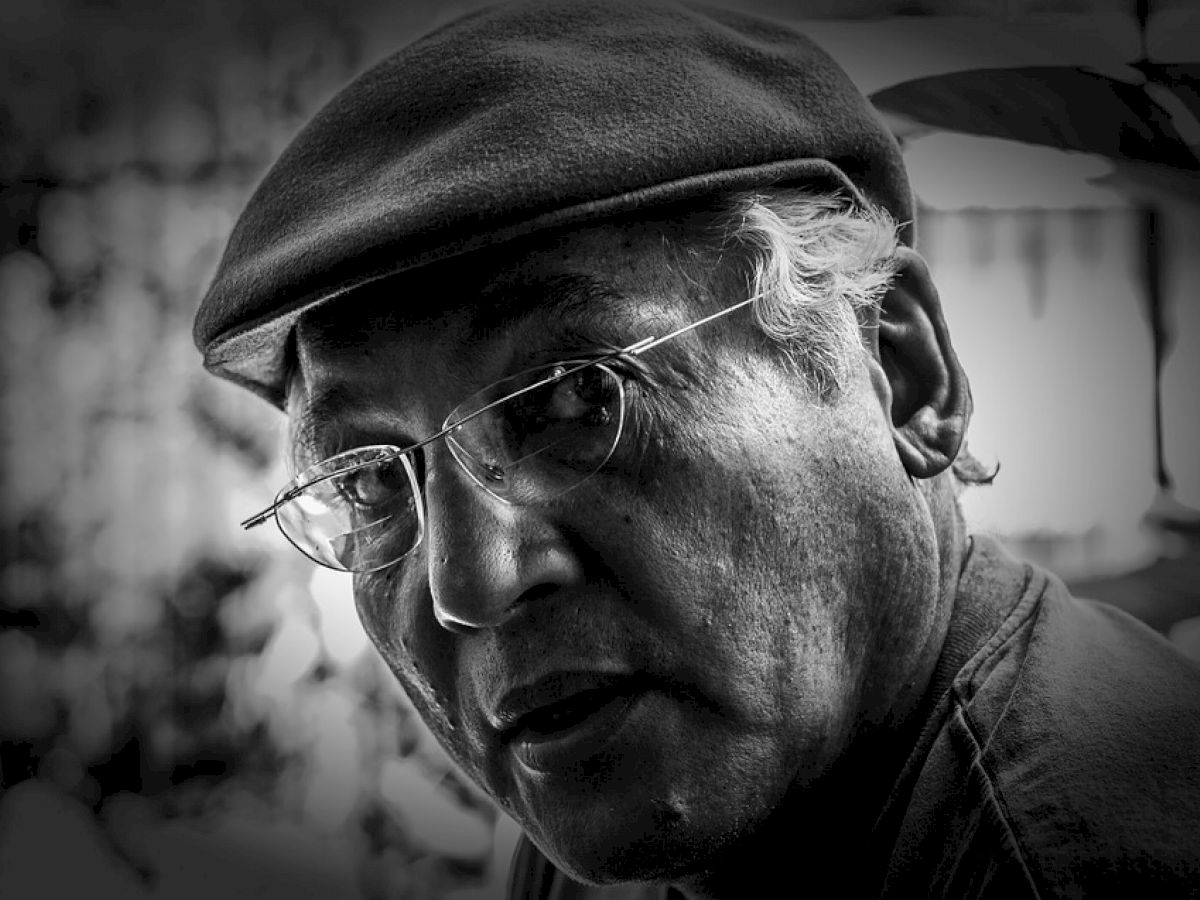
549	753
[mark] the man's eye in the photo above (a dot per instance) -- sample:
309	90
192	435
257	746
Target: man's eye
374	485
567	400
583	397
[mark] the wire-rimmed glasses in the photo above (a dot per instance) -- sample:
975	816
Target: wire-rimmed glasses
530	437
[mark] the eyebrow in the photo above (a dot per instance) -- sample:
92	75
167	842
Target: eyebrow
569	297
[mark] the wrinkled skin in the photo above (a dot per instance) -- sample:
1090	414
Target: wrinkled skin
759	564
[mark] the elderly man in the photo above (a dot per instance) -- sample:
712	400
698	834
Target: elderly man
614	378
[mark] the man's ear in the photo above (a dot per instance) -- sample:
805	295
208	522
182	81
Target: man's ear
922	387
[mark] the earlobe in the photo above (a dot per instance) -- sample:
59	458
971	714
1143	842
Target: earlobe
924	389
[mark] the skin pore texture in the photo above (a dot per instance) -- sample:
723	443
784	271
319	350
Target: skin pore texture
753	591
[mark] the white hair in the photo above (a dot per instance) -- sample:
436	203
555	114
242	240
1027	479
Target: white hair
818	262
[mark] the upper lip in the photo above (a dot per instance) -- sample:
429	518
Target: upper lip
514	706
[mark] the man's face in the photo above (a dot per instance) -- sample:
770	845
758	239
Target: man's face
639	669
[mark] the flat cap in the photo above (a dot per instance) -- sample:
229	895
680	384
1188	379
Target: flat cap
523	117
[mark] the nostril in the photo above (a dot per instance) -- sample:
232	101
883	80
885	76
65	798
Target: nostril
534	594
463	626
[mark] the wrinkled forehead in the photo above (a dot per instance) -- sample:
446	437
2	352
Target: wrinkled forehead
608	279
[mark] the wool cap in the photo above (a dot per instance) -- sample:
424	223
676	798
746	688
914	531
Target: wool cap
530	116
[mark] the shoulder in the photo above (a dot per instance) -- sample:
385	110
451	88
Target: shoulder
1083	728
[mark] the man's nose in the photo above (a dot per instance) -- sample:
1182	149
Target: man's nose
488	558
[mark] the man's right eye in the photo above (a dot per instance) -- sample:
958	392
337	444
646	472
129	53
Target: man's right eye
374	485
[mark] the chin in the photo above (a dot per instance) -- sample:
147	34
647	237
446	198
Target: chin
659	845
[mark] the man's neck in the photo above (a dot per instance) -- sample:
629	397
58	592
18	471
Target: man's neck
826	833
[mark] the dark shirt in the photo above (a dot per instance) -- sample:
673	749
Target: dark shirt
1060	757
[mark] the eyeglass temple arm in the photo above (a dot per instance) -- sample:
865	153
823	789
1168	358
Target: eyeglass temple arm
259	517
640	347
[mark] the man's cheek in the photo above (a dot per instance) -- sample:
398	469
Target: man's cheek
398	618
382	615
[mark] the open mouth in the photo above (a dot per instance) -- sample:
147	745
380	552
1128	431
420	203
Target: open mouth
551	721
561	731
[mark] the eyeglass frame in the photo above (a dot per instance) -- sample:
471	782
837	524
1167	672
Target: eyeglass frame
635	349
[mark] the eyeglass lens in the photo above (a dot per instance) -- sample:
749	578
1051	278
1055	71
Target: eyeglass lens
562	425
358	511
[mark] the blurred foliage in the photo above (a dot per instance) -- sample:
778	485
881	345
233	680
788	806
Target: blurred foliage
184	708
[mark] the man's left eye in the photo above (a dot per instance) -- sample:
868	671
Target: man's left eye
567	400
583	397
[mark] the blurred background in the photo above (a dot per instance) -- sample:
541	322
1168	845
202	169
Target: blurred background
187	710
